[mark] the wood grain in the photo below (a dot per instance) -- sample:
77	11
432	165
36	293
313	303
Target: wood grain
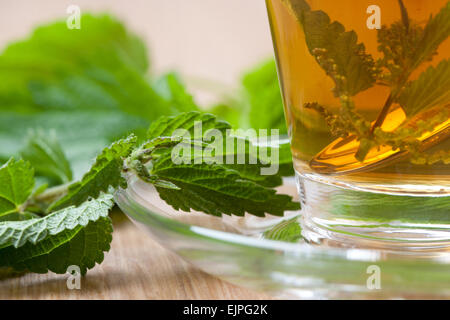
135	268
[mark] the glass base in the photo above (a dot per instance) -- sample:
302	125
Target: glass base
339	216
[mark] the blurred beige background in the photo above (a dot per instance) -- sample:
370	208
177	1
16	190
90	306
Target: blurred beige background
211	39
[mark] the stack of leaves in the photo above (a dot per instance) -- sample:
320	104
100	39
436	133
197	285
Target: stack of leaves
51	229
65	95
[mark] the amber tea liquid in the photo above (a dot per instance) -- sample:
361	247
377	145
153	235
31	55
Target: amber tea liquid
348	176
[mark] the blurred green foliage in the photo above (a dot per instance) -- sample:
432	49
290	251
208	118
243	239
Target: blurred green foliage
93	86
259	104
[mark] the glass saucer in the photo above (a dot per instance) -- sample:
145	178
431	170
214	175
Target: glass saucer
233	249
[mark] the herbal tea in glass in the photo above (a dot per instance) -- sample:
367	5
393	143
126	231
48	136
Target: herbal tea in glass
366	89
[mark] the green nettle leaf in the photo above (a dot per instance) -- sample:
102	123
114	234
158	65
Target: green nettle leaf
17	233
217	190
337	51
95	78
431	89
101	66
298	6
231	110
251	167
165	126
19	216
249	158
258	104
286	168
399	43
339	54
104	174
288	231
46	156
213	184
100	129
71	236
170	87
238	154
16	185
82	247
261	87
406	45
436	31
256	157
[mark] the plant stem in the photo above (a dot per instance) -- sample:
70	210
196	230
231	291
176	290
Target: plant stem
405	17
385	111
383	114
53	193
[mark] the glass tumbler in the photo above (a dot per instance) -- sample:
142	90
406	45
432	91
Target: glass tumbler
366	89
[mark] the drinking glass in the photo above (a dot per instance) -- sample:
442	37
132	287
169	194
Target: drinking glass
366	90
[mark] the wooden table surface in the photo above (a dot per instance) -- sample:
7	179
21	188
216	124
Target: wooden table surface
136	267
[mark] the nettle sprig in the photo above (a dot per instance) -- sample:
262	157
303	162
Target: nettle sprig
50	229
405	46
